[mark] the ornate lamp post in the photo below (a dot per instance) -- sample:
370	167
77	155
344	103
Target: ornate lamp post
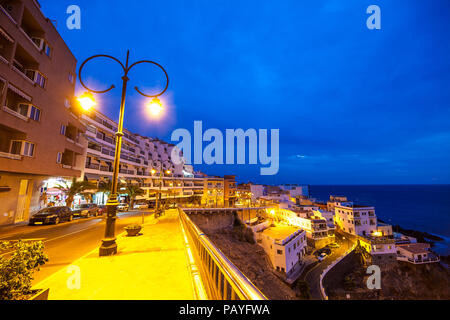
109	246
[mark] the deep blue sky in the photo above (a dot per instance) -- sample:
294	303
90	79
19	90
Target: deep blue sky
354	106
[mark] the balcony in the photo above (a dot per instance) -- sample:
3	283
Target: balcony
7	136
25	65
32	30
430	259
106	169
6	46
92	166
11	9
10	156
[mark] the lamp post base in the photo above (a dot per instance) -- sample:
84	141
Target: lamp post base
108	247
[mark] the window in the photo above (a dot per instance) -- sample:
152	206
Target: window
39	42
28	149
23	148
71	77
63	130
35	113
279	252
47	50
67	103
58	157
23	109
40	80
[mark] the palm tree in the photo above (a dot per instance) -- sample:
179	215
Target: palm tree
133	190
76	187
105	187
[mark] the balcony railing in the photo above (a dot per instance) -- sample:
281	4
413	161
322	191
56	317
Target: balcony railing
222	278
15	113
92	166
10	156
105	168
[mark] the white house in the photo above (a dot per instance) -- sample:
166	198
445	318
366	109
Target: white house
416	253
285	246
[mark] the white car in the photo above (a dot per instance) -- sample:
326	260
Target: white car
322	256
140	206
123	207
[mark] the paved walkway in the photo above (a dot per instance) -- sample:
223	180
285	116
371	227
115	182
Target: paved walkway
152	266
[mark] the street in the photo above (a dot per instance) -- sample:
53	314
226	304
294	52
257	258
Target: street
68	241
312	277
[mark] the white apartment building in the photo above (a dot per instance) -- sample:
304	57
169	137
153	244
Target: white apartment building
144	161
295	190
257	191
285	246
356	219
318	231
337	201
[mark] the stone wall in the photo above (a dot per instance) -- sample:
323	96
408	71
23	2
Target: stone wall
212	222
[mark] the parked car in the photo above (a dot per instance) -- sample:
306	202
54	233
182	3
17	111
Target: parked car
123	207
51	215
323	250
102	209
322	256
86	210
334	245
141	206
172	206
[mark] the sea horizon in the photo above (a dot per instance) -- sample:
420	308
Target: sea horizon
421	207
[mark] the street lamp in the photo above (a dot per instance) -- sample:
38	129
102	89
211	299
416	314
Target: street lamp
109	246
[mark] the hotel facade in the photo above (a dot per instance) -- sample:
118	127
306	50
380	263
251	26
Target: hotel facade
41	136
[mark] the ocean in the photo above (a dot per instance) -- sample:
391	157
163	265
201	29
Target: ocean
418	207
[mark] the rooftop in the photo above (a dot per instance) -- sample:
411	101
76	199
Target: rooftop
415	247
280	232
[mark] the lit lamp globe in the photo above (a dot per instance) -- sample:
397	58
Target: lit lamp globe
86	101
155	107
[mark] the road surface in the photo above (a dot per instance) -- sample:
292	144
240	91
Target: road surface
68	241
312	277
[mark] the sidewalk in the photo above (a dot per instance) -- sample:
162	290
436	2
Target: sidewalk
152	266
306	261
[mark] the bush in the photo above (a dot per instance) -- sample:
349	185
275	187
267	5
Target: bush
303	288
248	235
134	226
17	268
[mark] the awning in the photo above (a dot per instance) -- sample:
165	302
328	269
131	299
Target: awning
90	176
19	92
6	35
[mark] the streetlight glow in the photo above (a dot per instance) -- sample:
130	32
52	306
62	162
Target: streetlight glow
155	107
86	101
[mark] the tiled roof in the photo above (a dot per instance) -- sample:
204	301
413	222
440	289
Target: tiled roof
415	247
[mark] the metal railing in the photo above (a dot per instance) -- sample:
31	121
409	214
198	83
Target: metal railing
224	281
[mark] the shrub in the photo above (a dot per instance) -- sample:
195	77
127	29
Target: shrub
303	288
248	235
18	266
134	226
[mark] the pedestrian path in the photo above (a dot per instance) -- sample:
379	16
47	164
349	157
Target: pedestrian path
152	266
